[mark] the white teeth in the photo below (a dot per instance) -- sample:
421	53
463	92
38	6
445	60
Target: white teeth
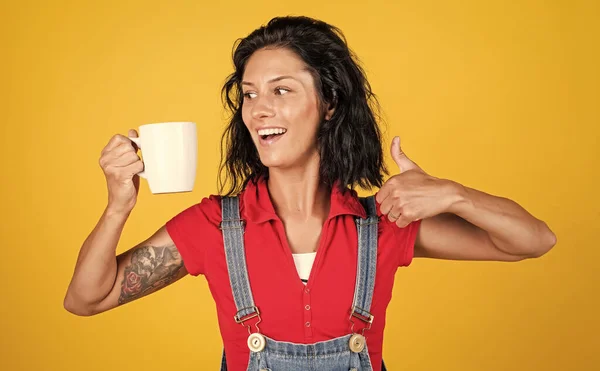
271	131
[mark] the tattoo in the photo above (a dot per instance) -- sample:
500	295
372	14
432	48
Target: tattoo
151	268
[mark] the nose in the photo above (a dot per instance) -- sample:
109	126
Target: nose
262	108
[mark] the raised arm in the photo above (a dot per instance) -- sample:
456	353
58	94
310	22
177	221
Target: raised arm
458	222
101	280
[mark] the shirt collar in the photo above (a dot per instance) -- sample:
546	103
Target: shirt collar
258	207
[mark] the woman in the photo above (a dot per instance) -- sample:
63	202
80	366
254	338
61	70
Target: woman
303	134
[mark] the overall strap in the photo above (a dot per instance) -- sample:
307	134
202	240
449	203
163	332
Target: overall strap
233	238
367	262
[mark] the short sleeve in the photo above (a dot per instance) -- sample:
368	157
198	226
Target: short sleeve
406	238
189	230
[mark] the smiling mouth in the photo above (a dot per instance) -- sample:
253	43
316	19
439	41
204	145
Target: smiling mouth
268	134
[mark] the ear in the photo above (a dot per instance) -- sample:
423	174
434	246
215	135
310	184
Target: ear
331	106
329	113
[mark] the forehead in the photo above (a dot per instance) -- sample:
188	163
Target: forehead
265	64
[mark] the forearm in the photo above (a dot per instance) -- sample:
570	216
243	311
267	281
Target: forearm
96	268
511	228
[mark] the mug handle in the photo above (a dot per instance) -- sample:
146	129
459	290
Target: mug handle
138	142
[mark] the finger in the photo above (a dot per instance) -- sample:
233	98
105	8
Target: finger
386	206
115	141
400	158
391	208
133	134
113	157
383	192
406	218
134	168
126	160
402	222
394	214
121	149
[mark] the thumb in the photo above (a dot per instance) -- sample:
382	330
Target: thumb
400	158
133	134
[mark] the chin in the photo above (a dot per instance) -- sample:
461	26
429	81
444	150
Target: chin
271	162
274	160
279	160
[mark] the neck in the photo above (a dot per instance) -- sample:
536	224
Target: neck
299	193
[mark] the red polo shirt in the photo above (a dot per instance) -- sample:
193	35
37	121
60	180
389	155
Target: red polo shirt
290	310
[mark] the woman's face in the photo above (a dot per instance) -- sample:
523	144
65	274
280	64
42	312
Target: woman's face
281	108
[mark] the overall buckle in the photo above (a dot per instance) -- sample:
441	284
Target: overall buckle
247	317
362	315
242	221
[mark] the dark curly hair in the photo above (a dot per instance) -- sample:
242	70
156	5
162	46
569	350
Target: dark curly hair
349	143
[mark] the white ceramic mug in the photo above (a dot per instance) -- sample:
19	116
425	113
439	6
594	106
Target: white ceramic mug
169	152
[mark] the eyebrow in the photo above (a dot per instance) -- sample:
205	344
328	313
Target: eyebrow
279	78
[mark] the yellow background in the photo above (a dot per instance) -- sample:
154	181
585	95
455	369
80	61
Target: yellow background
501	96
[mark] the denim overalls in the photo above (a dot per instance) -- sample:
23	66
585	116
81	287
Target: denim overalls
345	353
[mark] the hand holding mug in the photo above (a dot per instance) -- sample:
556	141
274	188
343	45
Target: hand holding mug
169	152
121	164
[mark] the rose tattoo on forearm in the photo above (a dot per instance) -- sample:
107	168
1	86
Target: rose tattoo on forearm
151	268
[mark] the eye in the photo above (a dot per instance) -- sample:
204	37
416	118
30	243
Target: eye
249	95
281	91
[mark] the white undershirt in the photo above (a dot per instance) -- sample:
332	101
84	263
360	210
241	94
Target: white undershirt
304	263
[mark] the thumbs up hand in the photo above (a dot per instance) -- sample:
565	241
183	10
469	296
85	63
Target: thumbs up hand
401	159
412	194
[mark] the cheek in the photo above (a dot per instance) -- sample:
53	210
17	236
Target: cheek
304	115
